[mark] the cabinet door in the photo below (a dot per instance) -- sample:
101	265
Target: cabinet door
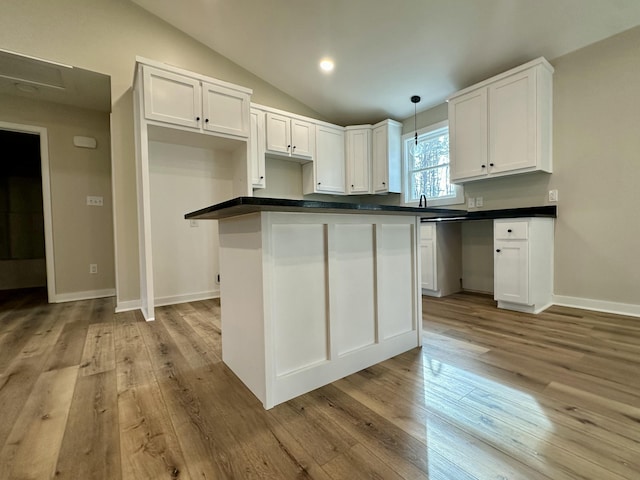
172	98
256	149
329	163
379	166
512	123
386	158
511	271
225	110
428	264
358	161
278	132
468	135
302	139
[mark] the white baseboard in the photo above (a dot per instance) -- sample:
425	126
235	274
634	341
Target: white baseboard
188	297
87	295
128	305
629	309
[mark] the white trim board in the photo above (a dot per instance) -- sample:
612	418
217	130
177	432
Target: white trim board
187	297
46	199
86	295
617	308
127	305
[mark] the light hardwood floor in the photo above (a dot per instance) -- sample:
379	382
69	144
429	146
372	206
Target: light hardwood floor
85	393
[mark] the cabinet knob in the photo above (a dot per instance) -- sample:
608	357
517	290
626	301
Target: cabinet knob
384	183
484	166
197	119
288	147
509	230
491	164
319	183
294	147
206	120
498	250
261	177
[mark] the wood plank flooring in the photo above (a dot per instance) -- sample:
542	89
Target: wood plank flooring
88	394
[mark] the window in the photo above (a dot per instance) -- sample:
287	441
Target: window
427	167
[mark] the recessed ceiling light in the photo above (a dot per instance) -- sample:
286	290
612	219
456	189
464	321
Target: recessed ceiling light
326	65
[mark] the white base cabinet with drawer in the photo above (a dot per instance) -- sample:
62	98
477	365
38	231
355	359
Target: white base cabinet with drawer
440	258
523	263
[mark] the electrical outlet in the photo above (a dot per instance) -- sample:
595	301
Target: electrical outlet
95	201
93	268
553	195
479	202
471	202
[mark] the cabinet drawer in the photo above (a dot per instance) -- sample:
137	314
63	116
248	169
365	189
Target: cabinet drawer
427	231
510	230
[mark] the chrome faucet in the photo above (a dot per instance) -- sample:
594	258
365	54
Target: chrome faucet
425	201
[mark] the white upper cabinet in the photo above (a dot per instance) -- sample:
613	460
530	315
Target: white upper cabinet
326	174
202	104
358	152
225	110
256	149
172	98
468	139
289	136
386	157
503	126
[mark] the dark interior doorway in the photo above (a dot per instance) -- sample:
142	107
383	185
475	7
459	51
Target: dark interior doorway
22	240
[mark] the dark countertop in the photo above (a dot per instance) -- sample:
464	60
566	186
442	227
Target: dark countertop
544	211
244	205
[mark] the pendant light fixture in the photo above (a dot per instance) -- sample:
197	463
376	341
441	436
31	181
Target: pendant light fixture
415	149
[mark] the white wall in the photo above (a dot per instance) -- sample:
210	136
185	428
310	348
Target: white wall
185	258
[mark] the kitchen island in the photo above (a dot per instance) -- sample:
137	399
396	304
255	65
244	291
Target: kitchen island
314	291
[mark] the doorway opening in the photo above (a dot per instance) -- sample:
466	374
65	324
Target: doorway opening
26	241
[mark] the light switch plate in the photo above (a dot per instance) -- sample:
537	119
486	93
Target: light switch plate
479	202
553	195
471	202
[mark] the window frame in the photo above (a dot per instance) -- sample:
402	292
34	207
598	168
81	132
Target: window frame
456	199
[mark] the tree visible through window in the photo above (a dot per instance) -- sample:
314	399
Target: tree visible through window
428	165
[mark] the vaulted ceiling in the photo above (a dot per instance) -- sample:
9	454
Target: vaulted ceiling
385	51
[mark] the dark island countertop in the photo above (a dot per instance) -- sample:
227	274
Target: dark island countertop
550	211
244	205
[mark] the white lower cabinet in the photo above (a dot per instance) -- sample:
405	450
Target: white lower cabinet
523	263
440	258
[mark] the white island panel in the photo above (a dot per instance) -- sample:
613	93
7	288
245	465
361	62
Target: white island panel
299	292
397	287
302	296
352	270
